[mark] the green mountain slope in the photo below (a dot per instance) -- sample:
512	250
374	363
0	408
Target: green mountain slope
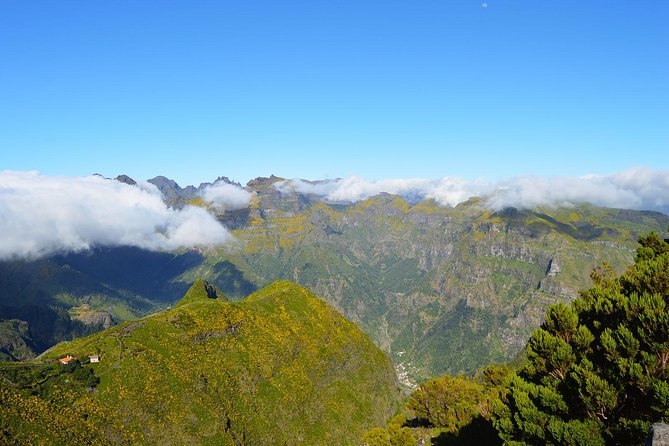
279	367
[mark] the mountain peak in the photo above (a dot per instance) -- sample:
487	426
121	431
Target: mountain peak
279	289
264	181
162	183
126	179
201	291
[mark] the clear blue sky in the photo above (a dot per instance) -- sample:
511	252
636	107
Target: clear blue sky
313	89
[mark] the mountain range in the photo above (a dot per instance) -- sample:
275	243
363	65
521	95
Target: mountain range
441	289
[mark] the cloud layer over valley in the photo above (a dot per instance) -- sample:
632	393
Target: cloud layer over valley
41	215
637	188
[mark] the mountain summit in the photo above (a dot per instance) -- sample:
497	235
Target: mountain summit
201	291
279	367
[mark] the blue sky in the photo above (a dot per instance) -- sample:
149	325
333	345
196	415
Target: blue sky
308	89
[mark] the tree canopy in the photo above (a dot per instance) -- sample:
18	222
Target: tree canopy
597	370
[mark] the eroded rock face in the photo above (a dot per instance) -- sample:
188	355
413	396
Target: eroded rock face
553	268
658	435
92	317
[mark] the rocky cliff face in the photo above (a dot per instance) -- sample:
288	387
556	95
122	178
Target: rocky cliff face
92	317
15	341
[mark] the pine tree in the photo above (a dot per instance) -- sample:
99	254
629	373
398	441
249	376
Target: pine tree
597	371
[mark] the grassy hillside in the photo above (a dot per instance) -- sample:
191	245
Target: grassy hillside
279	367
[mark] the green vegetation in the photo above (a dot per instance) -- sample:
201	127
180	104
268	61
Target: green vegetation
65	297
447	402
449	410
396	434
279	367
596	371
15	342
200	292
50	404
442	290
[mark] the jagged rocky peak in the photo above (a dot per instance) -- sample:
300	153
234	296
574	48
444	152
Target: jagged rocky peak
385	198
264	181
385	203
553	268
164	184
173	194
126	179
218	180
226	180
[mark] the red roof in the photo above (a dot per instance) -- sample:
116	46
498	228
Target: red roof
66	359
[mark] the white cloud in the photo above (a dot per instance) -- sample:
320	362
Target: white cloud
637	188
447	191
41	215
226	196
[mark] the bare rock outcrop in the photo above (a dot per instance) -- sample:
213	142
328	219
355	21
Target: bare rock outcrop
658	435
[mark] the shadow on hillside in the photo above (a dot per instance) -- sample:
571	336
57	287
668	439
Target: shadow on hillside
478	432
146	273
231	281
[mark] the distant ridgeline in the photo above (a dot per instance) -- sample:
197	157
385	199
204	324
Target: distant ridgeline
441	289
279	367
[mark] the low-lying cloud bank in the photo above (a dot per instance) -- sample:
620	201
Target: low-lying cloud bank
41	215
637	188
226	196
